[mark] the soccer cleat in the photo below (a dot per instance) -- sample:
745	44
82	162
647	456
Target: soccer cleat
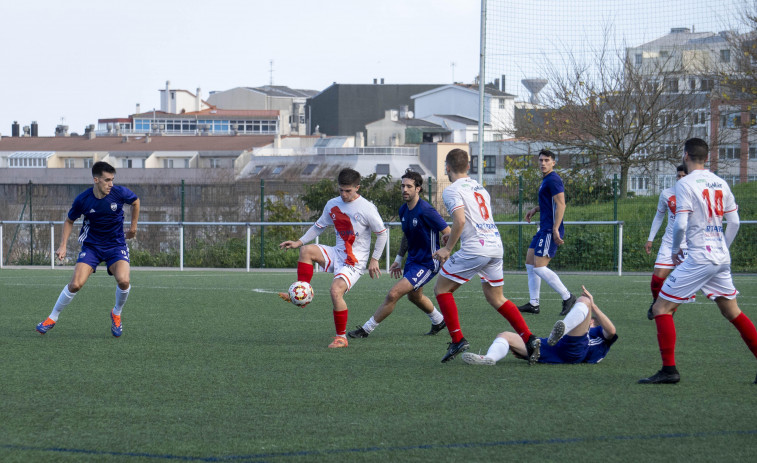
436	328
476	359
46	326
358	333
650	314
116	328
285	297
339	341
568	304
662	377
533	348
557	332
455	348
529	308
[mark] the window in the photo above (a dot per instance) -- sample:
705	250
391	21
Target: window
277	170
666	181
638	59
186	163
257	170
168	163
700	117
70	164
730	121
729	152
490	164
215	163
309	169
126	163
706	85
382	169
664	54
88	163
473	165
639	183
671	85
502	103
752	152
725	56
417	168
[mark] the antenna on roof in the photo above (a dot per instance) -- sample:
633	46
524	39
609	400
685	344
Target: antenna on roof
271	73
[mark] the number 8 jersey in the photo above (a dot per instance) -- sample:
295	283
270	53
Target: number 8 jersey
706	198
479	236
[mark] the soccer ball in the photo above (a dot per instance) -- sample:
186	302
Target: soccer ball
301	293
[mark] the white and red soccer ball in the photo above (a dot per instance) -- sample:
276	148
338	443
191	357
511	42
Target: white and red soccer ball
301	293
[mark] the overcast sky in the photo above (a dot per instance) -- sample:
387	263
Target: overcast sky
75	61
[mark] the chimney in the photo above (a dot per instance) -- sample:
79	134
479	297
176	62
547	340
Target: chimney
139	108
382	81
15	129
502	84
198	99
35	129
375	81
359	140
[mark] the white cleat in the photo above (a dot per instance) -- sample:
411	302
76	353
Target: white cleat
476	359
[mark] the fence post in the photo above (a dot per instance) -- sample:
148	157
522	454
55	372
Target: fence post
520	219
615	217
429	190
248	247
1	245
388	238
31	226
620	250
181	246
262	218
52	245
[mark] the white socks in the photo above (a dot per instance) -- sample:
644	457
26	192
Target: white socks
553	281
436	317
121	296
64	299
576	316
370	325
498	350
534	285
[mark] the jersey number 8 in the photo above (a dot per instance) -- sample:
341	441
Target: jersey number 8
482	205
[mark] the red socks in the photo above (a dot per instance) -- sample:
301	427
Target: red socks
656	285
512	314
340	322
448	307
747	331
666	338
304	271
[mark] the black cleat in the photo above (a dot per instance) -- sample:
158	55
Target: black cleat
650	314
454	349
436	328
533	347
662	377
557	332
568	304
528	308
358	333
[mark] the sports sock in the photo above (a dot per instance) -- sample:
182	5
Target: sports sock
534	285
553	281
576	316
64	299
121	296
340	322
449	310
666	338
304	271
656	285
747	331
436	317
498	350
370	325
512	314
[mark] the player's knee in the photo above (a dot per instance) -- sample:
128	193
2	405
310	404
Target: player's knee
74	286
123	283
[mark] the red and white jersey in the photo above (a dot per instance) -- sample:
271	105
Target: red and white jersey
479	236
667	205
353	221
706	198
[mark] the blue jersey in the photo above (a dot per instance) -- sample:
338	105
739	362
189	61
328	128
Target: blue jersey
589	348
551	185
421	225
103	218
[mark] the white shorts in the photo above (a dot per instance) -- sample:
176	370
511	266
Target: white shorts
460	267
665	257
334	264
689	277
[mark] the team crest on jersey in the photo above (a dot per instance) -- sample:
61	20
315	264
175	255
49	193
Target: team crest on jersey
358	217
415	222
113	207
82	255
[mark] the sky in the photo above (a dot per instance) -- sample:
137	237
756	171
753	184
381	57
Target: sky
78	61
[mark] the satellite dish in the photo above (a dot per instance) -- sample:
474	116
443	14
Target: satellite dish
409	114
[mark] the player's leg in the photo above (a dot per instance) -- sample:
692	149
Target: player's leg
546	274
492	288
311	254
663	265
82	271
503	343
346	276
443	291
534	282
575	323
121	271
721	289
399	289
424	303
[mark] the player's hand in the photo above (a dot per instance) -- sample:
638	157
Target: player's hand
530	214
678	257
290	245
556	237
395	270
373	268
585	292
445	238
61	252
132	233
648	247
441	255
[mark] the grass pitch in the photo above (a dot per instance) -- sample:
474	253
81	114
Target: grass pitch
213	367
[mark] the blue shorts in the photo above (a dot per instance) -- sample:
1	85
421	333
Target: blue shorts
419	275
92	256
543	244
569	349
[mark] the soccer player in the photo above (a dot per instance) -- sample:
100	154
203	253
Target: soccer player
353	218
584	336
421	225
551	231
702	201
480	253
102	239
663	264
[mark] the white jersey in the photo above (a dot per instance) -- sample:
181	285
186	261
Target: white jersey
667	206
706	198
479	236
353	221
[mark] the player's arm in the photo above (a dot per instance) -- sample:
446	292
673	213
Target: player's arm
68	226
559	200
656	224
374	270
608	329
458	221
732	228
132	232
679	228
313	232
531	213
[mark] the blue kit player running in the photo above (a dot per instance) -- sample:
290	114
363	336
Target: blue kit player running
543	247
585	335
102	240
421	225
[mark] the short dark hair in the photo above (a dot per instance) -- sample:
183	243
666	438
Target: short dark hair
697	149
99	167
349	176
682	168
457	160
548	153
414	176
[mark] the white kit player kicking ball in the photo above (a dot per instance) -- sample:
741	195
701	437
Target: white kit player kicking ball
703	200
480	254
354	218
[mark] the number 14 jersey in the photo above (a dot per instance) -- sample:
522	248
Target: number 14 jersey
480	236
